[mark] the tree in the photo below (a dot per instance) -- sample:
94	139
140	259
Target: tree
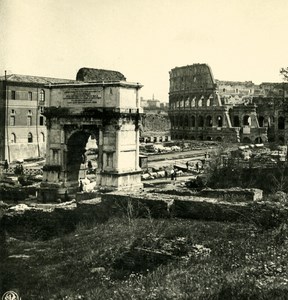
284	73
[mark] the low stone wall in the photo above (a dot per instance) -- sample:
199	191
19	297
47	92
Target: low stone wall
209	210
233	194
177	206
45	221
16	194
135	205
38	224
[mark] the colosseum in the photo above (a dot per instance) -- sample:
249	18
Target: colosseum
202	108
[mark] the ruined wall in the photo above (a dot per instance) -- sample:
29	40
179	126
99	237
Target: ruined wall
196	111
193	77
202	110
155	125
271	113
90	74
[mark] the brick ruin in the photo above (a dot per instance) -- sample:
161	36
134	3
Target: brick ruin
201	108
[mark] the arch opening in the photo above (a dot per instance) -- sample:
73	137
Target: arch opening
246	120
200	121
236	121
209	121
82	157
261	121
281	123
258	140
193	121
246	140
219	121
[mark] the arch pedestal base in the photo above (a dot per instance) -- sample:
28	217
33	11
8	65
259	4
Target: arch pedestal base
106	181
120	181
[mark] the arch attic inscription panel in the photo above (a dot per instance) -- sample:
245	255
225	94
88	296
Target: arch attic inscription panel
109	112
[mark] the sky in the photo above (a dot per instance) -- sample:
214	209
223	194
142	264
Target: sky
240	40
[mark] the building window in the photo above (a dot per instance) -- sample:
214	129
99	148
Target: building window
29	121
30	137
42	96
109	158
12	120
30	96
13	138
41	121
55	156
13	95
42	137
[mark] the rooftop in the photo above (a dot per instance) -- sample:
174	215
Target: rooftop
34	79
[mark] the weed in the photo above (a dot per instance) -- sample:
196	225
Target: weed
166	259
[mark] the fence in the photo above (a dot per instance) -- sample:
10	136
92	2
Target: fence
26	171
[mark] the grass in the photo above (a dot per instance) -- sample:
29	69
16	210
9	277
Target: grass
128	258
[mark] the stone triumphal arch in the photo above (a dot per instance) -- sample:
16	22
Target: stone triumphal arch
110	112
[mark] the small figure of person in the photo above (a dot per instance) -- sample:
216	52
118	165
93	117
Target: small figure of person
175	174
187	165
6	165
166	174
172	174
21	169
81	186
89	164
66	197
197	166
83	158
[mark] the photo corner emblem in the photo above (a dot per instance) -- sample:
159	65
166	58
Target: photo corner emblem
10	295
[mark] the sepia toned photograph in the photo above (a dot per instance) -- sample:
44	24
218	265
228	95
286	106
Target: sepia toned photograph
143	150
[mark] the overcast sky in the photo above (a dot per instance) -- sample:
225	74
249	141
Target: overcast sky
240	40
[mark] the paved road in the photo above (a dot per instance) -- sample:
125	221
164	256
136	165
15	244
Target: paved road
170	159
182	154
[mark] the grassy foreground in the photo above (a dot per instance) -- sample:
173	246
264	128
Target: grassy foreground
151	259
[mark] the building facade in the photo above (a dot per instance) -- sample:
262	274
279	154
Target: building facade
22	125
